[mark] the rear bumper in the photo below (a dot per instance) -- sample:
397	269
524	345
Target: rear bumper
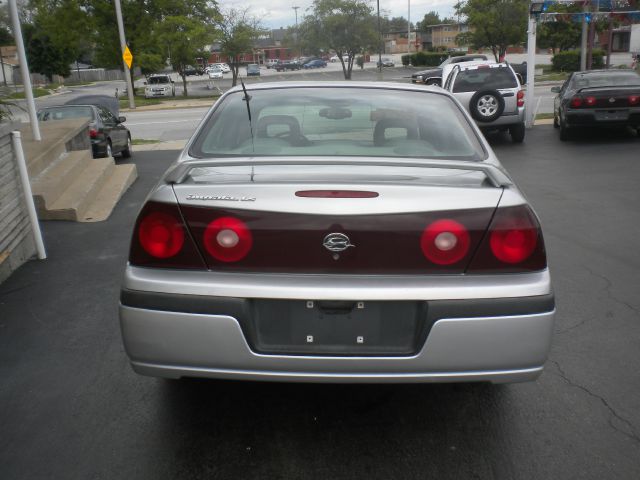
503	339
588	118
504	120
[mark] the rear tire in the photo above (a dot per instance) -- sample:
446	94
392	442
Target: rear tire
109	152
126	153
564	131
555	121
517	132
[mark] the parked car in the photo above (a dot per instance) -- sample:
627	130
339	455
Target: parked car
271	62
159	85
597	98
191	70
492	94
224	67
336	58
433	76
288	65
386	62
253	69
215	73
315	64
107	133
342	232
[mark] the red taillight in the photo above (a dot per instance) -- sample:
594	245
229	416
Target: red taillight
161	235
576	102
160	239
590	101
336	194
445	242
93	133
513	243
634	99
521	98
228	239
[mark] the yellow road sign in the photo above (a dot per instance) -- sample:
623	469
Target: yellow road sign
127	56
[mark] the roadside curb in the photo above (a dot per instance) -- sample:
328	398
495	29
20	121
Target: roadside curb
171	145
172	106
544	121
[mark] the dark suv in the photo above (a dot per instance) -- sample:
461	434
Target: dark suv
433	76
288	65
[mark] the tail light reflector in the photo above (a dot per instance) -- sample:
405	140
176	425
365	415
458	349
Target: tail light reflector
513	243
576	102
634	99
445	242
93	133
521	98
228	239
590	101
160	239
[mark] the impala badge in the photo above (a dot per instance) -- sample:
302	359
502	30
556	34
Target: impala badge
337	242
612	100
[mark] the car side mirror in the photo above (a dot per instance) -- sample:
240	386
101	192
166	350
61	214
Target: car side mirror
122	119
555	89
520	79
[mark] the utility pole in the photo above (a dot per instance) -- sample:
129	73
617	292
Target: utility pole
295	9
123	45
409	30
585	34
379	44
24	70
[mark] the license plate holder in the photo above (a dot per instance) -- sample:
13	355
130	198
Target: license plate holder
309	327
612	115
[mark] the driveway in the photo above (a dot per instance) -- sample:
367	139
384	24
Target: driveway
71	408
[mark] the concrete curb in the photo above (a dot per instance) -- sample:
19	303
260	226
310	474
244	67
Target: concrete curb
544	121
173	106
171	145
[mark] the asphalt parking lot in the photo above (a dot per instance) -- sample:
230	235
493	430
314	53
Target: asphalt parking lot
71	408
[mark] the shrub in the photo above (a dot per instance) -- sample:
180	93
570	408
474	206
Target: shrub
569	61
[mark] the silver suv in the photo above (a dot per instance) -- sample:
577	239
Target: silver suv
159	85
492	94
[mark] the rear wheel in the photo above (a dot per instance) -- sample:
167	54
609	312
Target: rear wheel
517	132
109	152
564	131
126	153
555	121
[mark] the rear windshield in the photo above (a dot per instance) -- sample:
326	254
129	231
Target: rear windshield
158	80
606	79
63	113
484	78
338	121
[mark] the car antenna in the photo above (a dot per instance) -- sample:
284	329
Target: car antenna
247	98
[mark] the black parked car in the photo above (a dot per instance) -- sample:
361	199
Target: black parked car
288	65
597	98
108	135
433	76
191	70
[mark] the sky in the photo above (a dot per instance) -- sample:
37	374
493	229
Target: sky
279	13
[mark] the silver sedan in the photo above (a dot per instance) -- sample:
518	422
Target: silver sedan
337	232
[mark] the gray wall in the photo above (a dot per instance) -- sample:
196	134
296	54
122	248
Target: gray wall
90	75
16	237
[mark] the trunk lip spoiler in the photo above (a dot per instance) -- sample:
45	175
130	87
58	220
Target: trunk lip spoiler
608	88
498	177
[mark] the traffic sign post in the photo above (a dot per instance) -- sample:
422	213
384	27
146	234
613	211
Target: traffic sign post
127	56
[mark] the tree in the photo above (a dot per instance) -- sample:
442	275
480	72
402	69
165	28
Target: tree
560	35
395	24
431	18
186	38
237	33
494	24
347	27
45	57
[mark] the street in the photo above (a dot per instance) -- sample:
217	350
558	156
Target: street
73	408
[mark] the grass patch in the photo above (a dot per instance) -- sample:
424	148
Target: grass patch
37	92
544	116
140	102
143	141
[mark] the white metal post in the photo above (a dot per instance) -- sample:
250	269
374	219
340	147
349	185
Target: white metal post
123	45
28	196
530	108
24	70
583	42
